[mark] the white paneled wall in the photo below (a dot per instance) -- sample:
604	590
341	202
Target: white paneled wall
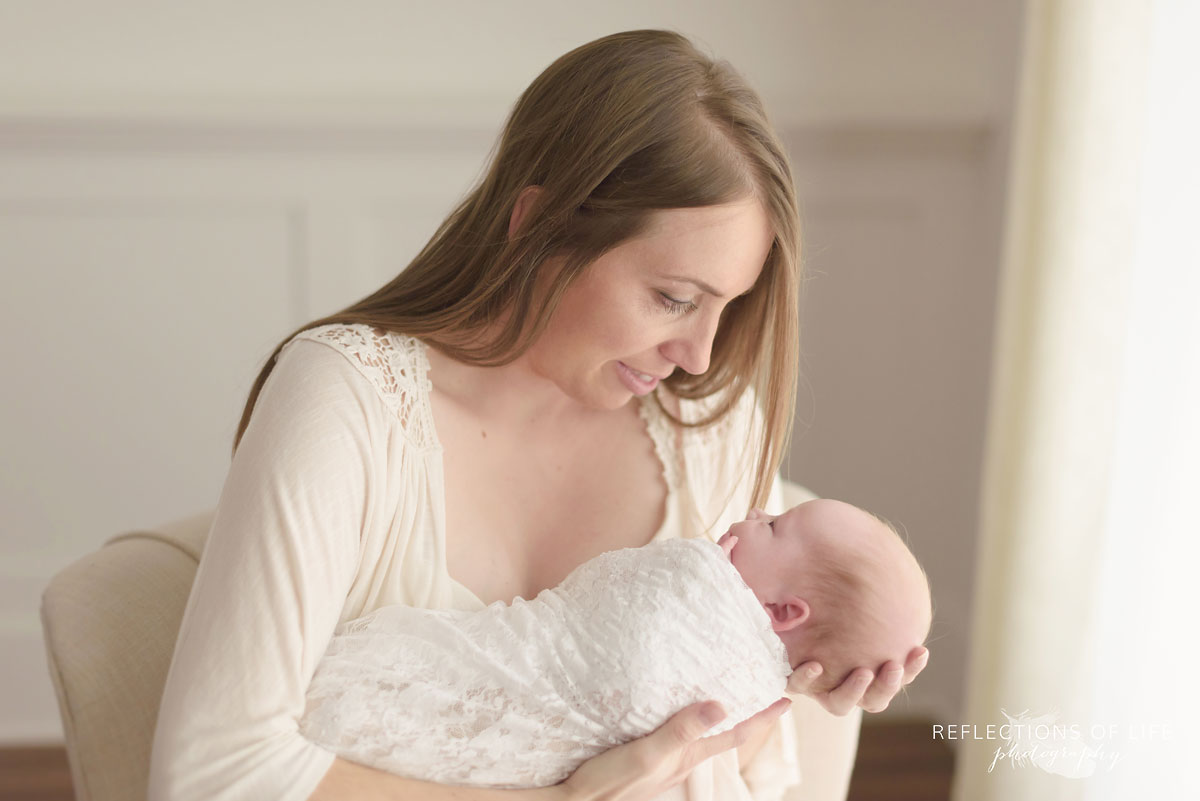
149	267
900	247
812	60
180	186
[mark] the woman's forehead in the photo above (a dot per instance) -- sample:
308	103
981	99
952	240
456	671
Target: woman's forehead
720	249
745	218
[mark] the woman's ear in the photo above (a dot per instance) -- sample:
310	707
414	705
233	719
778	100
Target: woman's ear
521	209
787	615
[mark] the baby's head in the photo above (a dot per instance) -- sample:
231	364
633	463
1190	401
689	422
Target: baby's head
839	585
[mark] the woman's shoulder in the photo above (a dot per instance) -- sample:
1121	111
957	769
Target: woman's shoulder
394	364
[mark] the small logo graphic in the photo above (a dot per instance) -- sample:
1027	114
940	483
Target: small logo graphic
1070	750
1043	742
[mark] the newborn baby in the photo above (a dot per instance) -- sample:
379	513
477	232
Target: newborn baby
519	695
839	586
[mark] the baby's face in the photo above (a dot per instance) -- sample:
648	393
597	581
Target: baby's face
762	545
781	560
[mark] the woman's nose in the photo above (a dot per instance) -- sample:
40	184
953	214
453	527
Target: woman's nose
692	350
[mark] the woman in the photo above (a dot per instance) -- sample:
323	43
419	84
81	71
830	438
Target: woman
586	345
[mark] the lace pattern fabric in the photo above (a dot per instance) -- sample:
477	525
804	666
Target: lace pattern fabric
519	695
396	365
662	432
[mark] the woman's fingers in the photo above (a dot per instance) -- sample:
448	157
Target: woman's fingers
838	701
918	658
688	728
873	692
883	689
707	747
645	768
891	677
804	677
844	697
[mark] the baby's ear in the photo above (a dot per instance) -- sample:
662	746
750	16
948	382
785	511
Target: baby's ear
788	614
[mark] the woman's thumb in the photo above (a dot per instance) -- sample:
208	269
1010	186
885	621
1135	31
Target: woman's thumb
694	722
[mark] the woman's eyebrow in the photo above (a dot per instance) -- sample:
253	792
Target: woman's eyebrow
701	285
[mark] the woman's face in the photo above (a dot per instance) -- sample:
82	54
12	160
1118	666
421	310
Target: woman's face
653	303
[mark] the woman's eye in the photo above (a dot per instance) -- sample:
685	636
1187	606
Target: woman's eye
676	306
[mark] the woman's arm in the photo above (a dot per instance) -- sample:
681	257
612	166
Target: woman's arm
637	771
350	781
275	573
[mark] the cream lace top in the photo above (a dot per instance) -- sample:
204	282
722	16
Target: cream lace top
332	508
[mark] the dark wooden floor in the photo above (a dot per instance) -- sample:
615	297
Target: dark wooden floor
34	774
901	762
896	762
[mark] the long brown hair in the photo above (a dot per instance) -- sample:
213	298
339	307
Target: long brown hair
615	129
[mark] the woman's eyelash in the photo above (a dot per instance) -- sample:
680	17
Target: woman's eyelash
675	306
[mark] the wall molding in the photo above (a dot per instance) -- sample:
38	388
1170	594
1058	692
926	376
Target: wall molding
417	126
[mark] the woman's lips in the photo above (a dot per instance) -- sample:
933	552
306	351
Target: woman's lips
637	382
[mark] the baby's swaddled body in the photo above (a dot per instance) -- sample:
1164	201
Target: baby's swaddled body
519	695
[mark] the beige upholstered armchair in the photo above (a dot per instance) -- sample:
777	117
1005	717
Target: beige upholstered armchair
110	622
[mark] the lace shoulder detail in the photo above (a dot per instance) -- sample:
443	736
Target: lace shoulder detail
395	364
735	427
719	460
665	436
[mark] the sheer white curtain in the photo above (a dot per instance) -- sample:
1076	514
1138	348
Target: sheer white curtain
1090	541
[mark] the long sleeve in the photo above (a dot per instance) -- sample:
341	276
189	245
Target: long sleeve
275	573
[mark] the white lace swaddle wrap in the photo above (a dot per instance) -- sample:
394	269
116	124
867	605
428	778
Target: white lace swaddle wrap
519	695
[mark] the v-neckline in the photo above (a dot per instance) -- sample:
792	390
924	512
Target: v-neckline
660	446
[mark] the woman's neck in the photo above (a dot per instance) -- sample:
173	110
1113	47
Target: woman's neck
514	393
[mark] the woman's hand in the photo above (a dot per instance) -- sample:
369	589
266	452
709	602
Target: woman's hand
644	768
862	687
